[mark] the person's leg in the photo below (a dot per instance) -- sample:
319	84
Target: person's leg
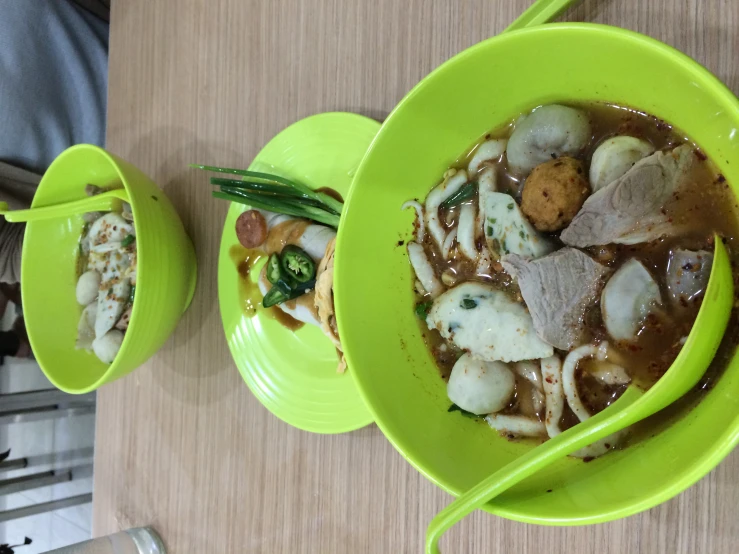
53	88
53	80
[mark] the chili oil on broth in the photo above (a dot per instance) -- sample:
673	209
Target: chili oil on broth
705	207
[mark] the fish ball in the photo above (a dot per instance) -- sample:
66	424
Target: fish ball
480	387
106	347
88	286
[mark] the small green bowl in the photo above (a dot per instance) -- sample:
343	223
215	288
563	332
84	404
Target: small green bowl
166	271
474	92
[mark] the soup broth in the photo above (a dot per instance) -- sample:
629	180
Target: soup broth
702	208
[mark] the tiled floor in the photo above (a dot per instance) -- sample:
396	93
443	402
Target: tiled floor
52	444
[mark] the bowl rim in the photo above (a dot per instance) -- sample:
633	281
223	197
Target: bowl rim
114	364
709	459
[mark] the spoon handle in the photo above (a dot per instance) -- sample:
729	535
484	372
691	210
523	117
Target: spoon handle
587	432
541	11
106	201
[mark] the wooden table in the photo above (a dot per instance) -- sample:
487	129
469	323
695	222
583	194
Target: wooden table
181	443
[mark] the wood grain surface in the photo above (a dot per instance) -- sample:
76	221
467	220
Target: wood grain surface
181	443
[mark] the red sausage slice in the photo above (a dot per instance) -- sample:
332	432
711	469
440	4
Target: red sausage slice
251	229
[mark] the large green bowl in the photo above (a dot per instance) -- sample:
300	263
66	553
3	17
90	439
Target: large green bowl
166	270
475	91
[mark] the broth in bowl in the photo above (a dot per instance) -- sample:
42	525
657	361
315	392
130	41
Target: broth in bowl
562	258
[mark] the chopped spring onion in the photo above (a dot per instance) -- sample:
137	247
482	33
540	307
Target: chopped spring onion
422	309
465	413
465	192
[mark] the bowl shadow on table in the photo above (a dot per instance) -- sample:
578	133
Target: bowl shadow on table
200	381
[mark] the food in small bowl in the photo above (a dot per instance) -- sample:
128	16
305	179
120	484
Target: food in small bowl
486	88
545	289
106	265
64	307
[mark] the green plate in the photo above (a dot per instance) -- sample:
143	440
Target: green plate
293	374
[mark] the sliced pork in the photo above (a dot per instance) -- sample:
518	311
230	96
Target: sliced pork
631	209
557	289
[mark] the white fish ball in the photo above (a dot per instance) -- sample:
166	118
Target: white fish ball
106	347
548	131
628	297
480	387
614	157
87	287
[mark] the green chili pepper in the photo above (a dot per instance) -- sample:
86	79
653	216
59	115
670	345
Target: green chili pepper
275	296
465	192
274	269
302	288
282	291
297	264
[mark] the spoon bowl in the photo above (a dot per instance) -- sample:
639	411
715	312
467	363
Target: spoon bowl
632	406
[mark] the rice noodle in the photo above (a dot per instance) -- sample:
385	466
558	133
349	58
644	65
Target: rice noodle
516	425
530	371
488	151
423	269
453	181
486	183
466	231
484	262
446	248
537	400
609	373
421	230
600	447
568	375
551	373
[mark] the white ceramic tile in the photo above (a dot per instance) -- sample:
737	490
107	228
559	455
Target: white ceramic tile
20	374
81	483
78	516
37	527
71	434
52	444
64	533
30	439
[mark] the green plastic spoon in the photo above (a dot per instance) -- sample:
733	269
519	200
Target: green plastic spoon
540	12
634	405
105	202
